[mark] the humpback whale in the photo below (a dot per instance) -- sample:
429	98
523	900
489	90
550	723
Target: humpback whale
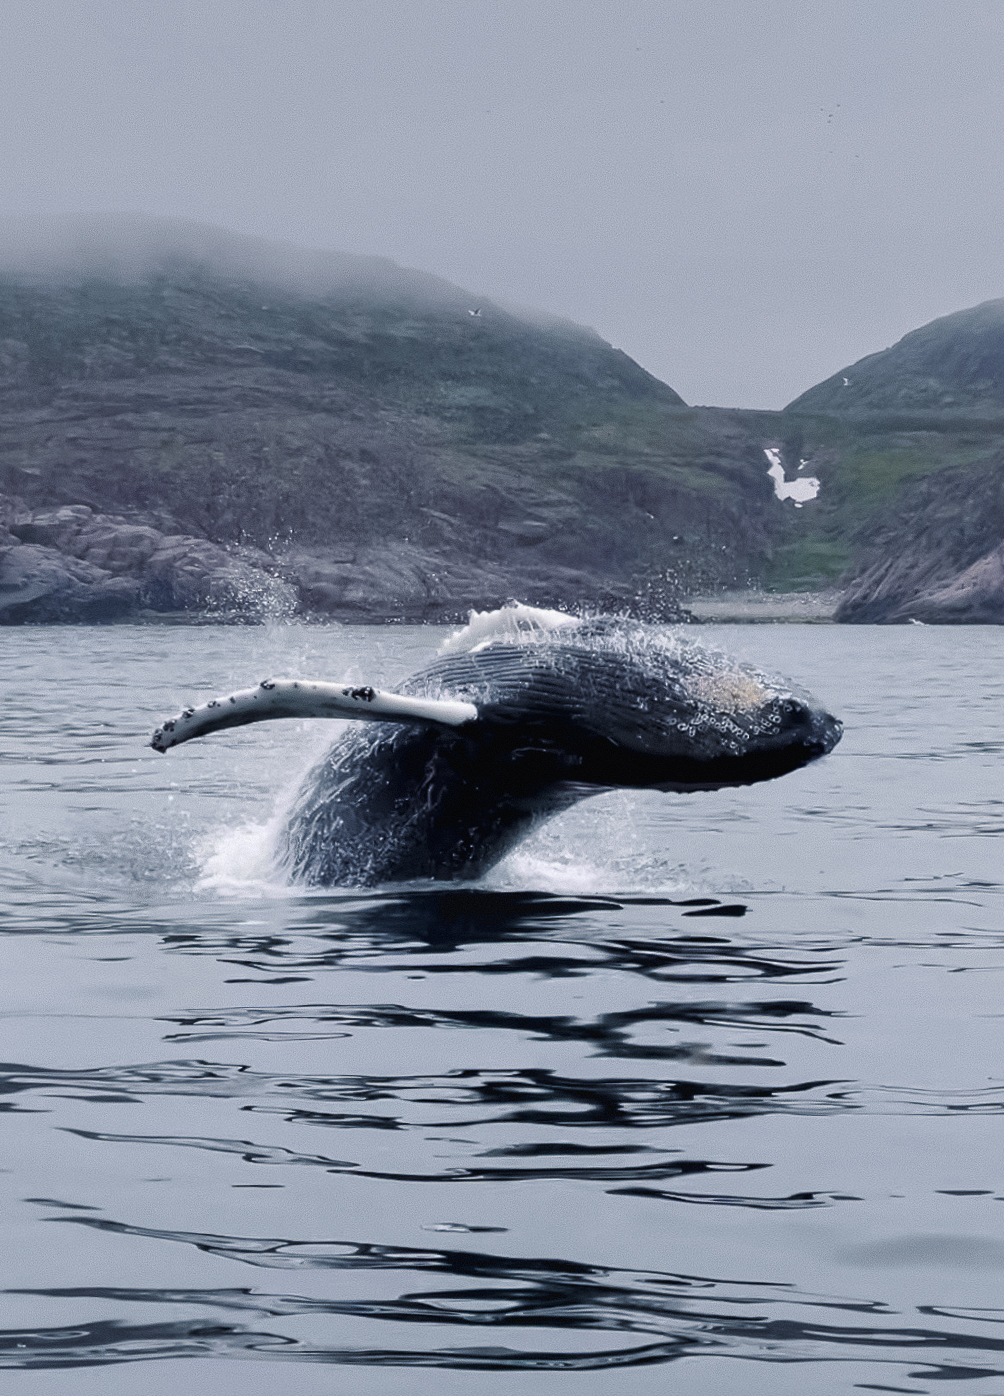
522	713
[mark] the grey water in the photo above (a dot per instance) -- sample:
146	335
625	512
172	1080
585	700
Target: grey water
692	1094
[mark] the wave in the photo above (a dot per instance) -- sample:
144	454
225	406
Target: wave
601	1317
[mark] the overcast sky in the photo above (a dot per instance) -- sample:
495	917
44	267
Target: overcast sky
744	195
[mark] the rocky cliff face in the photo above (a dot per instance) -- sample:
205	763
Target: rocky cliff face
203	418
940	557
71	564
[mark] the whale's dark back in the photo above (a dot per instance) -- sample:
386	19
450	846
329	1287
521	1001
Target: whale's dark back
592	705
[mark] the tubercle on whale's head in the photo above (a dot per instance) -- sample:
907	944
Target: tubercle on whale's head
689	760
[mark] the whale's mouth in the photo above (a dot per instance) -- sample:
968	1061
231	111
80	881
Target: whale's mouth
603	763
822	734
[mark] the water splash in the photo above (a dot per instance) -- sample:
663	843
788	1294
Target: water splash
511	623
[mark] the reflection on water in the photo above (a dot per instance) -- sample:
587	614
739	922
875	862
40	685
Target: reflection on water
652	1316
644	1117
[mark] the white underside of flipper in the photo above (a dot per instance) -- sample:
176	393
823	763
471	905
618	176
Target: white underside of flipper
276	698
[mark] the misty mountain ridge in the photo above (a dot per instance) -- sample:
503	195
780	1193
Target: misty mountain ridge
133	249
412	442
130	249
372	441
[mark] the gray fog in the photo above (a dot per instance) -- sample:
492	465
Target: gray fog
744	195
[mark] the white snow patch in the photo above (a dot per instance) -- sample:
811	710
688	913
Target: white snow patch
799	491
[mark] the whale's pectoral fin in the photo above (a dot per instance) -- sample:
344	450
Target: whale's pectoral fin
275	698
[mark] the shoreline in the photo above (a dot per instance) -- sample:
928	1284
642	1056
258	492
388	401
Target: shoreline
723	608
766	608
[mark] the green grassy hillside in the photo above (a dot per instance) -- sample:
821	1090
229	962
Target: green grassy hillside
911	442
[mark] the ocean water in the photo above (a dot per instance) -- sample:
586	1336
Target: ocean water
692	1094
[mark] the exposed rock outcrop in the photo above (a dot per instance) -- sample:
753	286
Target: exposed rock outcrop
939	555
71	564
892	593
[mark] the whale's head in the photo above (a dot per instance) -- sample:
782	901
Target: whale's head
618	702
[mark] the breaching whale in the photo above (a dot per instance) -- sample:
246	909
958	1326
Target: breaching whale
522	713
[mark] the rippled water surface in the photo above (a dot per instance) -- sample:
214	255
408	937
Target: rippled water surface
693	1094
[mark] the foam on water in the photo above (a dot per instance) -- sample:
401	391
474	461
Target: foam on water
240	861
599	847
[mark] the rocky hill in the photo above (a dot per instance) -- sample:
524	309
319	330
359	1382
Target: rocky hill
915	437
953	365
366	440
